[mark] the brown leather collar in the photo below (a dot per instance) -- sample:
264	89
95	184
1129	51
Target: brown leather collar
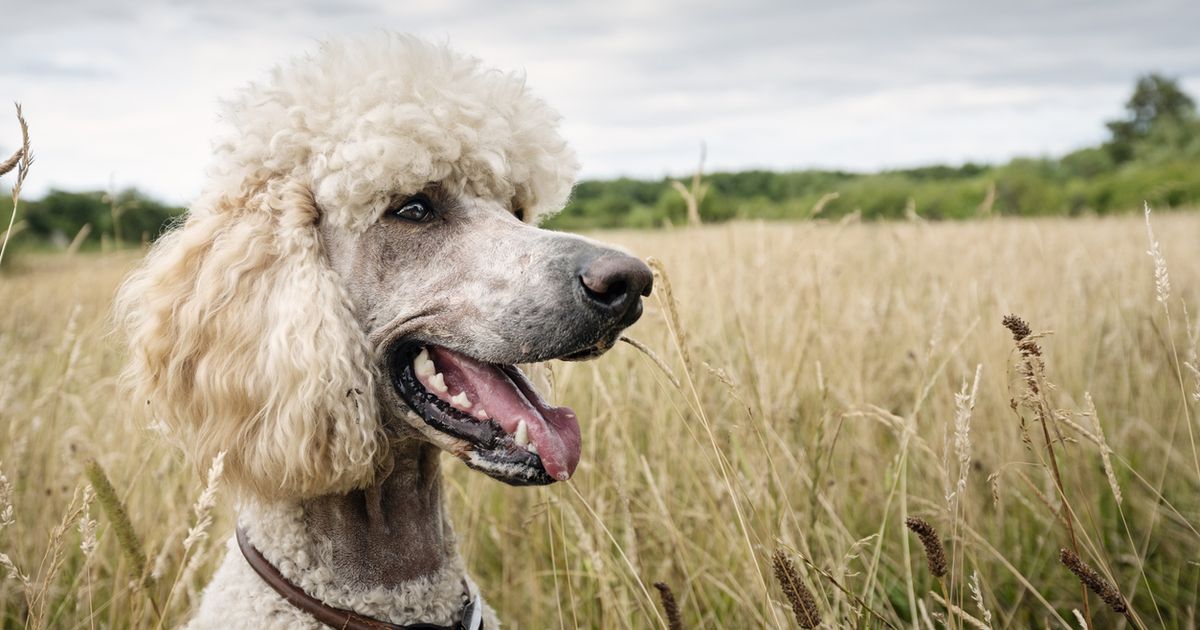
471	618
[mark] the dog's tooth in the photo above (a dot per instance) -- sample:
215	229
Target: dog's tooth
438	383
423	365
461	401
532	448
481	413
522	434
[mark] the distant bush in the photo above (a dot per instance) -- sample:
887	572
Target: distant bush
60	215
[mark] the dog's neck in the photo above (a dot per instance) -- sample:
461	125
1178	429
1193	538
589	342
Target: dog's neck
395	531
387	551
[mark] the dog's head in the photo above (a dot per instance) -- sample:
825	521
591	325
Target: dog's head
364	267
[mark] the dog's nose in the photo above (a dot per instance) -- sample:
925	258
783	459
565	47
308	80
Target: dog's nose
614	281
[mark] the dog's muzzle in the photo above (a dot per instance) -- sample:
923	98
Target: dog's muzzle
474	400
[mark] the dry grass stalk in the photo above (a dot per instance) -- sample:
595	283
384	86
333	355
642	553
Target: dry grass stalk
653	356
204	505
1192	363
694	195
666	295
1053	507
663	283
804	605
923	610
198	532
989	200
620	550
935	553
15	229
965	616
825	200
910	211
87	525
1095	582
851	218
115	209
806	304
721	375
1033	369
670	606
11	163
159	566
187	578
88	541
43	590
851	596
22	164
1162	291
1109	473
1065	418
7	518
6	507
12	571
80	237
964	405
111	503
977	596
1162	281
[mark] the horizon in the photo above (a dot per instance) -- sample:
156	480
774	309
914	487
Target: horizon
127	93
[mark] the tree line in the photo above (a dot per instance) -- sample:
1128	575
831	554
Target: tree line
1152	154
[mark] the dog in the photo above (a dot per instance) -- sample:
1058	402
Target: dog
348	298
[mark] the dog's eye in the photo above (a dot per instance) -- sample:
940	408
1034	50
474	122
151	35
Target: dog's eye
415	209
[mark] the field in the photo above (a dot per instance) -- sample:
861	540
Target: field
822	383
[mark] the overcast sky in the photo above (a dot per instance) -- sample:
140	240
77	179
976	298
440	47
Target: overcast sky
126	90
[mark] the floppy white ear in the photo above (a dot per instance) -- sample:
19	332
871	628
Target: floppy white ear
242	339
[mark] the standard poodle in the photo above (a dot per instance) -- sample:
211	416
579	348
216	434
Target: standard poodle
349	297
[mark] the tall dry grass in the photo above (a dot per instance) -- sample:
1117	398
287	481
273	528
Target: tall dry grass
819	385
20	160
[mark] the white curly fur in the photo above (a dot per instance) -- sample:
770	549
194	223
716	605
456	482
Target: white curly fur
243	338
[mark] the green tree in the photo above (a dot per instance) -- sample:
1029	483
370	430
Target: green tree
1155	100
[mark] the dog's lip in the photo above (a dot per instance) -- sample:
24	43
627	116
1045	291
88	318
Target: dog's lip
590	352
530	442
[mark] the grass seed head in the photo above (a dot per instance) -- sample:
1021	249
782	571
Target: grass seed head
670	606
935	554
804	605
1162	281
87	525
1018	327
205	503
107	497
1093	580
6	506
11	163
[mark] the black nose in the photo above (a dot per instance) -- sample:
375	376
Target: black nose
615	283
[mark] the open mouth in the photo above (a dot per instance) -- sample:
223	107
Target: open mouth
503	426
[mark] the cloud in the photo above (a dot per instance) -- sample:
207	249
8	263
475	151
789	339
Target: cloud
127	89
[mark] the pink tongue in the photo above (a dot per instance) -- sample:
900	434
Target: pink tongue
554	431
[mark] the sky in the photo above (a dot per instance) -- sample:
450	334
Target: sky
125	92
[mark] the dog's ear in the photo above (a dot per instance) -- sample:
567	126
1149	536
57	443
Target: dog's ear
243	340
